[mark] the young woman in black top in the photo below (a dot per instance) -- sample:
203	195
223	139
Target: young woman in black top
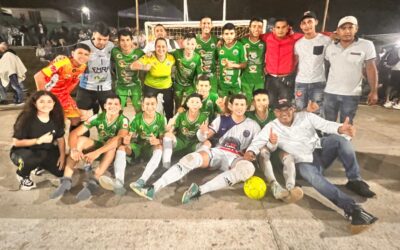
38	139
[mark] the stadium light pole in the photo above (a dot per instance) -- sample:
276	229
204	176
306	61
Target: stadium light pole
85	11
325	14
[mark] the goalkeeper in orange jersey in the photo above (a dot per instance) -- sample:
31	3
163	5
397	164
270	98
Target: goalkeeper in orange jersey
61	77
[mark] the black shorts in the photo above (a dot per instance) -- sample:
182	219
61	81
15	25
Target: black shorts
90	99
280	88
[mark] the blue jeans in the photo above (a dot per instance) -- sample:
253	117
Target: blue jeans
333	146
304	92
346	105
16	86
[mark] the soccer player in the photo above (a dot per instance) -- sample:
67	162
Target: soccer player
182	137
211	101
95	84
147	129
188	67
127	83
253	75
232	59
234	133
207	49
61	77
111	127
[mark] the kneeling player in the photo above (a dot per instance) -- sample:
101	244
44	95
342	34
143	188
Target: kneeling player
147	128
111	127
234	133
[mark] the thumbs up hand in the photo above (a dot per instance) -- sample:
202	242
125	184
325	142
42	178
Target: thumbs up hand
347	128
273	138
154	141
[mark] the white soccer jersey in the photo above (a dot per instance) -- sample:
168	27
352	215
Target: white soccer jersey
97	76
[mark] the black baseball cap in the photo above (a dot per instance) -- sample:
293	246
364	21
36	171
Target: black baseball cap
308	14
283	103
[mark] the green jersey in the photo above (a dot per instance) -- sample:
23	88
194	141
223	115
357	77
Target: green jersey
210	107
254	72
125	76
186	69
235	54
208	52
252	115
144	130
188	129
106	131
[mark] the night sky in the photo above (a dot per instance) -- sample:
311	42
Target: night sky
375	16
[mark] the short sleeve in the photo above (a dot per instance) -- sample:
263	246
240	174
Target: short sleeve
54	67
215	124
91	122
370	52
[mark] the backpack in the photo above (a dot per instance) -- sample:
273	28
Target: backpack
393	57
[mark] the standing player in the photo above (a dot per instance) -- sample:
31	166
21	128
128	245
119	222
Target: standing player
207	48
232	59
95	85
188	66
61	77
253	75
111	127
127	83
234	133
185	127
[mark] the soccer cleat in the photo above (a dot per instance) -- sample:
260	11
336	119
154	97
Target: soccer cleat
295	195
39	171
25	183
113	185
278	191
192	193
396	106
65	185
388	104
137	184
360	220
147	193
88	189
361	188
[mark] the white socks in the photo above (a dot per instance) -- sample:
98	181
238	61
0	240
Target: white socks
289	171
152	165
120	165
167	152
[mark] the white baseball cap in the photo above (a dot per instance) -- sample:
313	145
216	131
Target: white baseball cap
347	19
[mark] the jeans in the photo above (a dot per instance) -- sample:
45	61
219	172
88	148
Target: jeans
333	146
346	105
305	92
16	86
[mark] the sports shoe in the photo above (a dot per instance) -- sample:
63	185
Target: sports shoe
388	104
25	183
39	171
396	106
147	193
88	189
278	191
137	184
113	185
65	185
192	193
295	195
361	188
360	220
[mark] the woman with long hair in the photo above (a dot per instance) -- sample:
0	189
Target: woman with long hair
38	139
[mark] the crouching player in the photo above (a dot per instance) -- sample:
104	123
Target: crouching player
234	133
147	128
111	127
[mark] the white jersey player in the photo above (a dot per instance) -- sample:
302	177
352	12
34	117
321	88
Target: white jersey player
234	134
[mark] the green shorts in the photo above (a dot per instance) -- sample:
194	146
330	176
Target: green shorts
135	93
228	89
184	145
181	93
141	150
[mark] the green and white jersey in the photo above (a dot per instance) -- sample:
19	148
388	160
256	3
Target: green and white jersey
186	69
254	72
125	76
208	52
210	107
236	54
106	131
188	129
252	115
144	130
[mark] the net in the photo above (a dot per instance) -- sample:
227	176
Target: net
176	30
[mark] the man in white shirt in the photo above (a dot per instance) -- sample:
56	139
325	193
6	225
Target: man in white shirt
347	58
160	31
310	52
297	136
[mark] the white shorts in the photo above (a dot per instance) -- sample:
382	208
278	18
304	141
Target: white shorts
222	159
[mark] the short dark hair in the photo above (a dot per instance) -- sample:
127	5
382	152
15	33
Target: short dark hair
193	95
260	91
189	35
160	25
113	96
149	94
237	97
203	77
101	28
281	19
124	32
82	46
228	26
203	17
255	19
160	39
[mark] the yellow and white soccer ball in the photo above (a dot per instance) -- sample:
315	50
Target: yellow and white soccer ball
255	188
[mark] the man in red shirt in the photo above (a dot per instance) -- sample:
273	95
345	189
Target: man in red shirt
280	60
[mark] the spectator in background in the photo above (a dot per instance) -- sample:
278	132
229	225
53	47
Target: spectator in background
161	32
41	32
392	62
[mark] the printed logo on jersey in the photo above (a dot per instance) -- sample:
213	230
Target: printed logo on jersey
192	65
212	45
246	133
235	52
247	45
134	57
221	52
101	126
119	56
252	55
261	46
198	46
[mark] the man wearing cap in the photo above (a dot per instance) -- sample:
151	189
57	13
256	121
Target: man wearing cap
297	136
347	58
310	52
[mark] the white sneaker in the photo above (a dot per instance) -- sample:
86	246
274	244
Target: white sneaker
25	183
388	104
278	191
396	106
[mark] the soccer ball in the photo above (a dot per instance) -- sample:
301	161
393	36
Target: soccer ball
255	188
